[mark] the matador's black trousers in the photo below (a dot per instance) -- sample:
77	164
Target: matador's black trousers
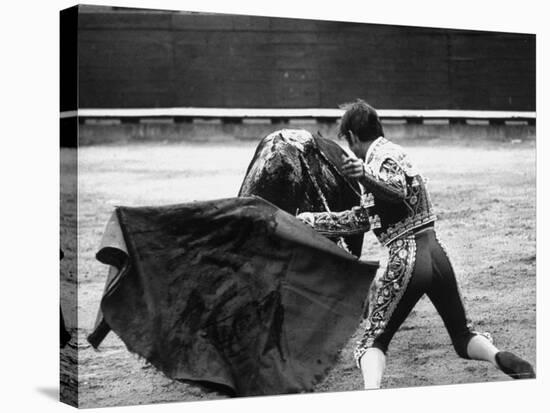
417	265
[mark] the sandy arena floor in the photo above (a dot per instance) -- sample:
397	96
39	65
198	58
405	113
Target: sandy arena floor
484	194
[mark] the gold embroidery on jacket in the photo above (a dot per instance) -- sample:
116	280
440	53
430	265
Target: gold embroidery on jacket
388	163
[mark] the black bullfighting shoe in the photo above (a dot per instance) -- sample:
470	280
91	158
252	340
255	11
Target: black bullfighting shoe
514	366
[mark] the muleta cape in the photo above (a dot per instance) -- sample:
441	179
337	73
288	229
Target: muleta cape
234	293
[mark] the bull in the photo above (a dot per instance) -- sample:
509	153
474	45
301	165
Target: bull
299	172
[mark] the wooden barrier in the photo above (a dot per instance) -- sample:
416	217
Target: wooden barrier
238	115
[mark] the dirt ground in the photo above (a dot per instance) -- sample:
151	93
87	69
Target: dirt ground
485	197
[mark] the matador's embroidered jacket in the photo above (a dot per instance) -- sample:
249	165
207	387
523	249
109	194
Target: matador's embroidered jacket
396	201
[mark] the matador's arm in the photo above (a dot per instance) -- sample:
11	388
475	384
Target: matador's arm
337	224
389	184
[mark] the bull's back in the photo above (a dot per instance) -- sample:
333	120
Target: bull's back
275	173
294	170
298	172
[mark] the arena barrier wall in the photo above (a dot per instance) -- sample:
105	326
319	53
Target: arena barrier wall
156	59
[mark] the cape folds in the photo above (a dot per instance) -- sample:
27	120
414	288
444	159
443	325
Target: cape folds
232	293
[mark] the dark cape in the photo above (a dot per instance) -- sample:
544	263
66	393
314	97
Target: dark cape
64	336
235	294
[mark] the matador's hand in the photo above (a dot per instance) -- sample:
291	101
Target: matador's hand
307	218
353	167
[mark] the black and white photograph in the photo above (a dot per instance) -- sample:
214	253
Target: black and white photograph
255	205
269	206
260	206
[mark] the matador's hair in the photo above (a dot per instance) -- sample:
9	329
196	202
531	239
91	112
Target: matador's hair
362	119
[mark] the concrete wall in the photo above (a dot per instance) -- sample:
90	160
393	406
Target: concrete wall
128	59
